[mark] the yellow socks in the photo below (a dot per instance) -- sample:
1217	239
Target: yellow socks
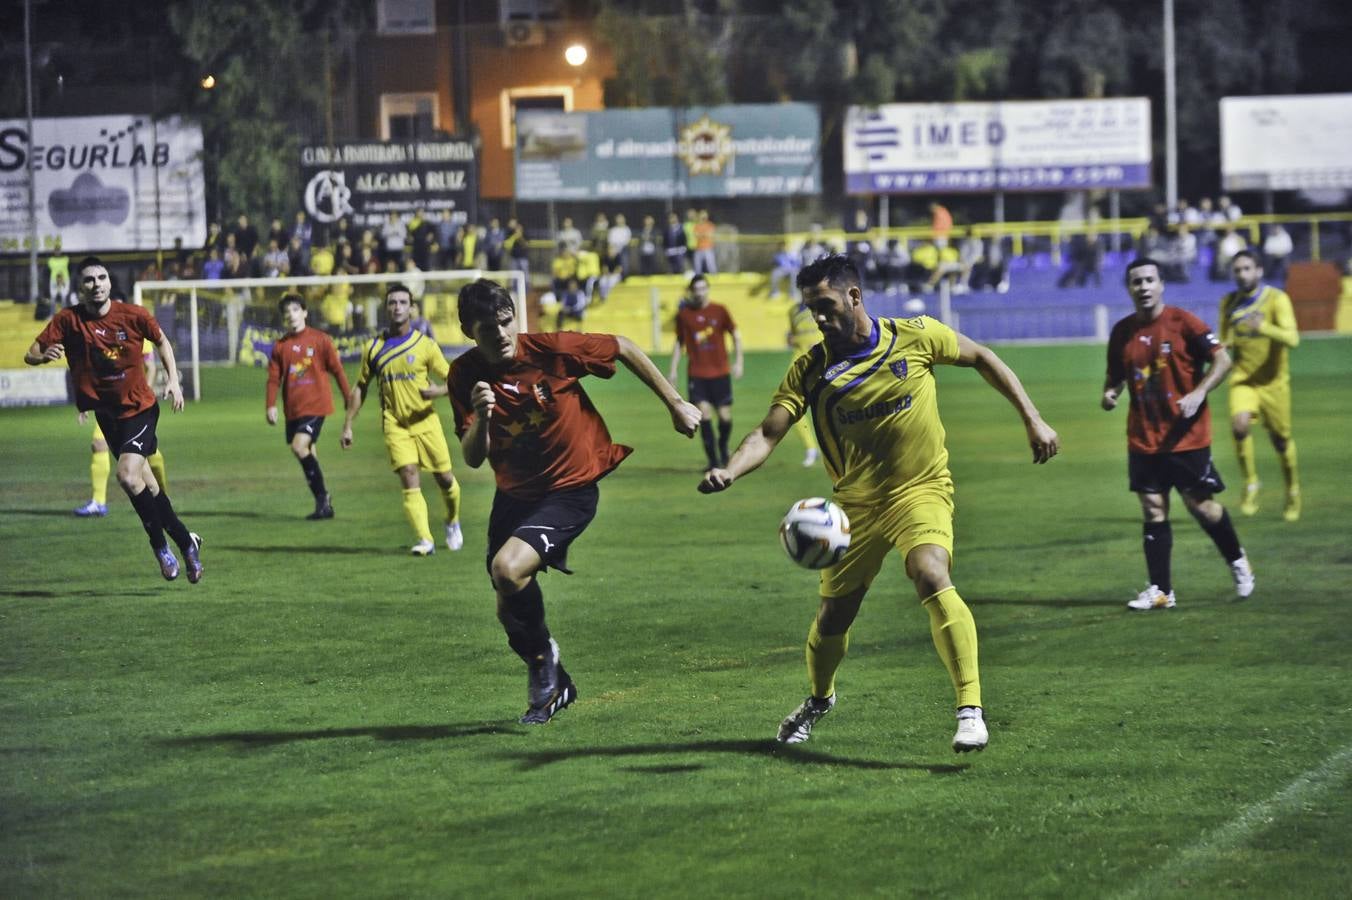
452	497
1247	464
415	510
156	461
954	634
1288	458
824	653
100	464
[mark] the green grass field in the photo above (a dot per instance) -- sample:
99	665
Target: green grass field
325	716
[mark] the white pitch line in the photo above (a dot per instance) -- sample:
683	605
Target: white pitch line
1307	787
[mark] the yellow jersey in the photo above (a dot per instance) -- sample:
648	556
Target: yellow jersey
1260	355
401	366
876	412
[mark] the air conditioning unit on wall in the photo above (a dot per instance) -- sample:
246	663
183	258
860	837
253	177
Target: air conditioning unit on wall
523	34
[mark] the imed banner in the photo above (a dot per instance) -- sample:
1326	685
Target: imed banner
102	183
1042	145
365	181
747	150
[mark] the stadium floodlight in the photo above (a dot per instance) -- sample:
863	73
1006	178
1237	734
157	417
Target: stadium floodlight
230	321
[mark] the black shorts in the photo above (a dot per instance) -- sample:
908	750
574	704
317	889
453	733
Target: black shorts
714	391
310	425
548	524
1190	472
134	435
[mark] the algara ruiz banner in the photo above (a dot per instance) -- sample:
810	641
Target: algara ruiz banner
365	181
103	183
1045	145
758	150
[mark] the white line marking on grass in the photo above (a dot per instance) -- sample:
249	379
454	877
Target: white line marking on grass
1307	787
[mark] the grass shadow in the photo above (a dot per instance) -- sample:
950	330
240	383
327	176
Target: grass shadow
773	749
29	511
378	732
41	594
1052	602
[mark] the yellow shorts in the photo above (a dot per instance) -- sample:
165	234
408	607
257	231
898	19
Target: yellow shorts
923	516
1270	403
424	447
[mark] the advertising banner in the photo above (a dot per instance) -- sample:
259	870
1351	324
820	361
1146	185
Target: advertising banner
102	183
45	386
1052	145
748	150
365	181
1286	143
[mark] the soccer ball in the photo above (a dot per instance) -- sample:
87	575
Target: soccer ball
815	533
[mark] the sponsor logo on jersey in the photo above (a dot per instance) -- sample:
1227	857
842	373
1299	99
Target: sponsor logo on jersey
880	409
837	369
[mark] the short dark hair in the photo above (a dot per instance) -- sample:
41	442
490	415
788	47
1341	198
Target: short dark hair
1250	254
288	298
396	288
89	261
483	299
1137	263
836	269
698	277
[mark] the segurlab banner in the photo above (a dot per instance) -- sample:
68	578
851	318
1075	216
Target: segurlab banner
102	183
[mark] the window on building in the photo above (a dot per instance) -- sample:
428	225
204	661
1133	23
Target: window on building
560	98
406	16
406	117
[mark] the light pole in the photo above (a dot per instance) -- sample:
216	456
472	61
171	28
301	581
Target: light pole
1170	110
32	142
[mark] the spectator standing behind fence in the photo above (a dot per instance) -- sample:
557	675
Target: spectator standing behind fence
941	222
674	244
517	248
1231	242
276	264
647	247
446	229
600	230
58	270
569	234
297	257
563	269
617	247
1277	250
246	236
494	238
785	269
393	235
691	220
302	229
706	262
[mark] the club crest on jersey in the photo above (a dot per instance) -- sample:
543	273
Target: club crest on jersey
410	358
543	395
309	351
121	335
1166	347
898	369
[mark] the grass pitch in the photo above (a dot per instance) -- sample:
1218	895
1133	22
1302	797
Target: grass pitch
325	716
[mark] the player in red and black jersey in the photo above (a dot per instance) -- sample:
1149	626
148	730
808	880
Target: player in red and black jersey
702	330
519	404
1168	360
302	362
102	343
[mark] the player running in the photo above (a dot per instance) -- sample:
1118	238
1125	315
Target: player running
1258	326
519	405
870	388
1161	354
702	330
400	361
302	361
102	342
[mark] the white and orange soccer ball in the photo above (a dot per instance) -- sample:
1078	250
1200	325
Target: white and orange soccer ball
815	533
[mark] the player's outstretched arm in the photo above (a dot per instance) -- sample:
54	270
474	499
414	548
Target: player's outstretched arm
173	391
754	449
675	360
1191	402
354	401
685	416
1043	440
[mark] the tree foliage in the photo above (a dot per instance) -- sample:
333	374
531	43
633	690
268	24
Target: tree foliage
267	61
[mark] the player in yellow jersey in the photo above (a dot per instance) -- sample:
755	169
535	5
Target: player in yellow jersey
803	334
1258	327
870	388
101	459
400	360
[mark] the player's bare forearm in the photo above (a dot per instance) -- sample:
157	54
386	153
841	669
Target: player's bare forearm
1111	391
675	361
354	402
685	417
754	449
474	444
172	389
1042	438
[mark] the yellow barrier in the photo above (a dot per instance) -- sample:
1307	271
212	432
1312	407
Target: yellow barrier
643	309
17	330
